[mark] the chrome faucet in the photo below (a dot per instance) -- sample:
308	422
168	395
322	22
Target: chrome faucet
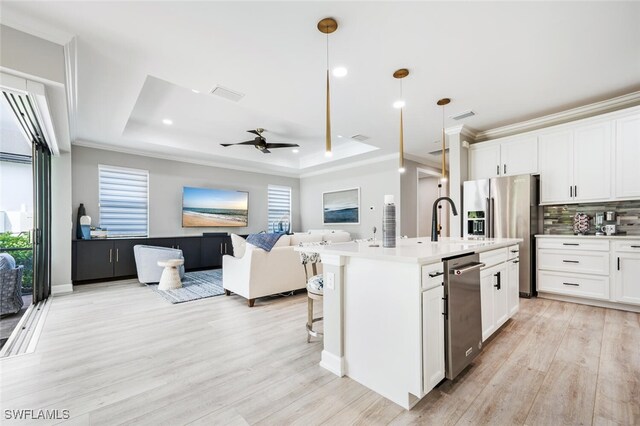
434	217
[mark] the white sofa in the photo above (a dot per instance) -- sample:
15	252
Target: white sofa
260	273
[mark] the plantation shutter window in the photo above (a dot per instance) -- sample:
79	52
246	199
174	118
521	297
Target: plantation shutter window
279	207
124	201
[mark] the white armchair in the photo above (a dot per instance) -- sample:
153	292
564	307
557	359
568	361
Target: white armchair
259	273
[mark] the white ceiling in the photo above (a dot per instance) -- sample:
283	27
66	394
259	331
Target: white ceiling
507	61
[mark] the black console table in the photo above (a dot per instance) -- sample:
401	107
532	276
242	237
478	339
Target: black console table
112	258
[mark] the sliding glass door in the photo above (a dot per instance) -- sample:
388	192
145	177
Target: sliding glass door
42	222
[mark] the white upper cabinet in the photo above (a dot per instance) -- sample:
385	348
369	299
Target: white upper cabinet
592	162
519	156
507	157
627	153
484	161
556	167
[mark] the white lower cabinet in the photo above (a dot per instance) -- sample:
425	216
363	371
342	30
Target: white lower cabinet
627	277
494	298
590	269
433	337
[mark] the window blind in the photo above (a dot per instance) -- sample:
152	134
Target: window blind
124	201
279	205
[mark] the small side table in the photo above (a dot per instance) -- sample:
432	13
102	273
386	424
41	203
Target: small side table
170	278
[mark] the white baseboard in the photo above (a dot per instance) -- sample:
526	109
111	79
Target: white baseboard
57	290
333	363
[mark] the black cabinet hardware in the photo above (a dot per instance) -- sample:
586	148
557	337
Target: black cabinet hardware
497	284
618	264
570	244
445	313
516	261
435	274
514	251
635	246
571	261
575	191
570	191
505	169
498	169
573	284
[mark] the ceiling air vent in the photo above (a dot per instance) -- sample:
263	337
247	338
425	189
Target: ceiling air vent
360	138
229	94
463	115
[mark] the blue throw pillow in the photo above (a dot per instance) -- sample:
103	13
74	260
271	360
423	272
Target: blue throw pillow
264	241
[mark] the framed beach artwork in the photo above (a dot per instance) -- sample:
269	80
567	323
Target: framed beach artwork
205	207
341	207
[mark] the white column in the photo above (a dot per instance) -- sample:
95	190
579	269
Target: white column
333	314
458	138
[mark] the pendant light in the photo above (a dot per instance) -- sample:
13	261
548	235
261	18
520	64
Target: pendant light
400	74
328	26
442	102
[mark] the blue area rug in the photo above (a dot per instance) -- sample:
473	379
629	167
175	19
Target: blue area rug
195	285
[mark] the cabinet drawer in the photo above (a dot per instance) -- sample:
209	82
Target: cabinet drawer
432	276
586	262
513	251
593	287
629	246
573	244
493	257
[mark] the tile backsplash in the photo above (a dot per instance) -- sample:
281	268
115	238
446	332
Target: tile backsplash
559	219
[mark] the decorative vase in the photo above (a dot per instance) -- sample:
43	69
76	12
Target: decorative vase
81	212
389	223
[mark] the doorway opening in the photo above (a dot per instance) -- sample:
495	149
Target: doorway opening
25	219
430	187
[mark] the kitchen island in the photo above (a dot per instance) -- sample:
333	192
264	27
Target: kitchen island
383	310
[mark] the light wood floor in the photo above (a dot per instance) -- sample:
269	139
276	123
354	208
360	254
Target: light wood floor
117	353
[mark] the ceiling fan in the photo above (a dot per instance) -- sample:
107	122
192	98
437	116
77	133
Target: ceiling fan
261	143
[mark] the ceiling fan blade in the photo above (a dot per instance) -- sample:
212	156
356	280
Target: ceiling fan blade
252	142
255	132
282	145
265	151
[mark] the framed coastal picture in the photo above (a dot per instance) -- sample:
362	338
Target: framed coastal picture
341	207
206	207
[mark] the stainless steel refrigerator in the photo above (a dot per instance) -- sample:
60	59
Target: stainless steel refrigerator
505	207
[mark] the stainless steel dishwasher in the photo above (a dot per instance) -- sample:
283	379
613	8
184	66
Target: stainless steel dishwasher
463	316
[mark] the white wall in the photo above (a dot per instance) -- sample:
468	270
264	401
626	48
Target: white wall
61	223
374	180
166	180
31	55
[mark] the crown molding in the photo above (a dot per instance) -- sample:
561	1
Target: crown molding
590	110
461	129
143	153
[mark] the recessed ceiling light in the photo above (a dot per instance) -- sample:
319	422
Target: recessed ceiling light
339	71
295	150
195	91
328	153
399	104
167	122
340	136
401	170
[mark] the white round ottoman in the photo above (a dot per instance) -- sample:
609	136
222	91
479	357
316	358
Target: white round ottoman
170	278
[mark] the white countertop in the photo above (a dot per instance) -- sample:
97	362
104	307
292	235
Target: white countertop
413	250
594	237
